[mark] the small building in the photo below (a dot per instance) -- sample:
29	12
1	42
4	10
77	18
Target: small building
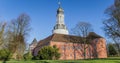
33	45
73	47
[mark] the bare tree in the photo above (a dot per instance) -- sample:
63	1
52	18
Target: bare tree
112	23
17	34
3	43
82	29
2	28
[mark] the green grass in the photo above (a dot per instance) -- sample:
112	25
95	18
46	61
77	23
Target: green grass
107	60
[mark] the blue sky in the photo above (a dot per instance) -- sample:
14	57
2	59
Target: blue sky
43	14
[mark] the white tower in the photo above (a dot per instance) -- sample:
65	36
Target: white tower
60	27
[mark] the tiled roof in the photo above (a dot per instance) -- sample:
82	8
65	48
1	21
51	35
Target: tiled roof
68	38
65	38
93	35
44	41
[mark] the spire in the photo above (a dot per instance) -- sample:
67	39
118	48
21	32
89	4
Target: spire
60	27
34	41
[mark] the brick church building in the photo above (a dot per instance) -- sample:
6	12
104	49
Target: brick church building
72	47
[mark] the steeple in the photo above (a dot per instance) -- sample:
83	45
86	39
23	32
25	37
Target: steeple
60	27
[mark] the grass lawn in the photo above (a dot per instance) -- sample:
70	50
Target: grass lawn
107	60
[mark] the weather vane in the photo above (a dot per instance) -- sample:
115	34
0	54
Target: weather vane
59	3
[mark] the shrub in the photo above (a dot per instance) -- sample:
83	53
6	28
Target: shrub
56	52
5	54
28	56
48	53
111	50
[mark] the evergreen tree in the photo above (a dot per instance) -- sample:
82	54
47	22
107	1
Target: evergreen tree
111	50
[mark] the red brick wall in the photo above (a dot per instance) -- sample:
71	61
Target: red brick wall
72	50
97	49
101	48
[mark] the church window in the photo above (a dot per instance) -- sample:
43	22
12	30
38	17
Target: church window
63	47
73	47
70	55
68	47
79	47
